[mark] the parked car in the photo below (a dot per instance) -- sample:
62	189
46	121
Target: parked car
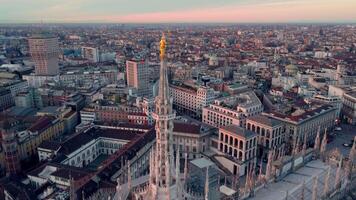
347	145
338	128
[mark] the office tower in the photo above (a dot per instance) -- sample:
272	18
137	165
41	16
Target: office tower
137	75
44	51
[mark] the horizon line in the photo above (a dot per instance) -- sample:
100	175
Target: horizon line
176	22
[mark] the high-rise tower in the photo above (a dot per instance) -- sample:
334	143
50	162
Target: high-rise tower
44	51
137	76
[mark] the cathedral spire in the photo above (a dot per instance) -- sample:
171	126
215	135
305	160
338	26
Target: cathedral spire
352	153
163	81
178	175
128	174
338	174
323	143
164	115
206	190
269	165
317	141
304	144
185	166
315	189
326	182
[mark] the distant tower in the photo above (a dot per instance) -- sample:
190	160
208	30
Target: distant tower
163	185
44	51
9	144
340	70
137	76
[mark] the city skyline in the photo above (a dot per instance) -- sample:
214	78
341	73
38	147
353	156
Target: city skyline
159	11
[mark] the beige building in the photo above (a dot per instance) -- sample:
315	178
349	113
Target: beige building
349	107
44	51
348	97
192	139
306	122
137	76
232	110
191	100
270	132
240	146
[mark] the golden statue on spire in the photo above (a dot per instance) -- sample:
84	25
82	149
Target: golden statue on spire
162	47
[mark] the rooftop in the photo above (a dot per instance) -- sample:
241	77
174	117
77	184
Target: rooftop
304	116
293	183
245	99
239	131
42	36
265	120
202	163
42	124
83	138
182	127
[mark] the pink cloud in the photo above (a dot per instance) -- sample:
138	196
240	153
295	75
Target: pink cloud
319	10
279	11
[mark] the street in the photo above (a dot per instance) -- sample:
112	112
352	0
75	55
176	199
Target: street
347	133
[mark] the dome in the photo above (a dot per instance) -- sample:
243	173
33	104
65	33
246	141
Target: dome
291	69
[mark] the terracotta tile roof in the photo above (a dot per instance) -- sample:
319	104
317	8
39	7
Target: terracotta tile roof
266	120
239	131
83	138
182	127
305	115
50	145
68	173
42	124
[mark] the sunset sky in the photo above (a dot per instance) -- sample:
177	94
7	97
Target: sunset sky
156	11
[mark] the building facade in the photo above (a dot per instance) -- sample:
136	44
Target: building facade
137	76
191	100
114	113
190	139
240	145
91	54
270	132
44	129
6	99
306	123
349	107
232	110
